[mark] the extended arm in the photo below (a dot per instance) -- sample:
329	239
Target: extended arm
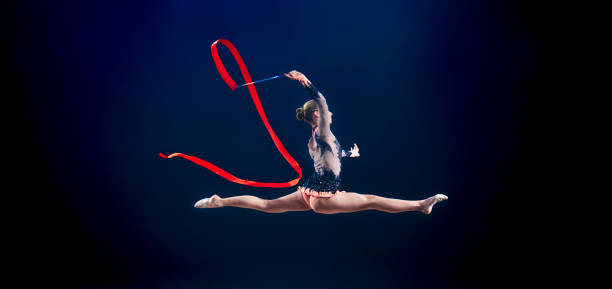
324	115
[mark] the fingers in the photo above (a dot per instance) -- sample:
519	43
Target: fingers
294	75
304	81
355	151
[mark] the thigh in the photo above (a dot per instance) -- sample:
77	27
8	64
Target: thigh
291	202
341	203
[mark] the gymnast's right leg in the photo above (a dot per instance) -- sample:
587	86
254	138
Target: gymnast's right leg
290	202
349	202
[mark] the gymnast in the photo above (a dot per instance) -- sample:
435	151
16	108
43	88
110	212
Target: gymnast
320	192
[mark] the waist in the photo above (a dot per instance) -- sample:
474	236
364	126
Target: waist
315	193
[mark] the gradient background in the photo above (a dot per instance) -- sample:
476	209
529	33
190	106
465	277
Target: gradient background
437	94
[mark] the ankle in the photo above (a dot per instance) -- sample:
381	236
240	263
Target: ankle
423	204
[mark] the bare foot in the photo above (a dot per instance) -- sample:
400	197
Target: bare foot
212	202
430	202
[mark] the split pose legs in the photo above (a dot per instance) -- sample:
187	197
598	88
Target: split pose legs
326	152
341	203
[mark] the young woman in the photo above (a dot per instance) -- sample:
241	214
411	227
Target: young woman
320	191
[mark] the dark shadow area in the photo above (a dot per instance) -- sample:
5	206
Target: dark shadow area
440	96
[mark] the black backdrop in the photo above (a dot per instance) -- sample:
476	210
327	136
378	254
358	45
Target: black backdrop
440	96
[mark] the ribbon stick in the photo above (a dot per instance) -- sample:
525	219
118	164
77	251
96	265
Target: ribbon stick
269	78
232	84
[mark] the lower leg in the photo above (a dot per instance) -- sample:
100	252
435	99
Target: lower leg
396	205
391	205
245	201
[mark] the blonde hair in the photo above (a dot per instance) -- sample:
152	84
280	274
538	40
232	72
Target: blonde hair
306	112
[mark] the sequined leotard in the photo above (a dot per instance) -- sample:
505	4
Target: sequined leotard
326	154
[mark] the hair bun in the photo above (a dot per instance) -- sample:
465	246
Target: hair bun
299	113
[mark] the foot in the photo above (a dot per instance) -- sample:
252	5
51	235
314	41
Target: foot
431	201
212	202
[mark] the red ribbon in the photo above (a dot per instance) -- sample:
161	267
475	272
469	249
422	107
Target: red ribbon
232	84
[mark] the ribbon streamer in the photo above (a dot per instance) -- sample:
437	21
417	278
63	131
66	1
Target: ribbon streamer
232	84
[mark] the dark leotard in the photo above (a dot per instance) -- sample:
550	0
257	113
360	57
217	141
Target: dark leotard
327	152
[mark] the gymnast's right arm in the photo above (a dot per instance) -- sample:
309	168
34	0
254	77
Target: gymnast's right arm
324	117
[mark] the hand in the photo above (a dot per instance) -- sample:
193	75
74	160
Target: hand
354	151
296	75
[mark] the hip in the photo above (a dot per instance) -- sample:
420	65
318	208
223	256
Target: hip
309	194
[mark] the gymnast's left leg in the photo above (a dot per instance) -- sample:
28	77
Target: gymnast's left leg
290	202
353	202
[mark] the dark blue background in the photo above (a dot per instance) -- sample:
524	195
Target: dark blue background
435	93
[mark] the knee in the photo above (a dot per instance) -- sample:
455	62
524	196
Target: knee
265	205
369	202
